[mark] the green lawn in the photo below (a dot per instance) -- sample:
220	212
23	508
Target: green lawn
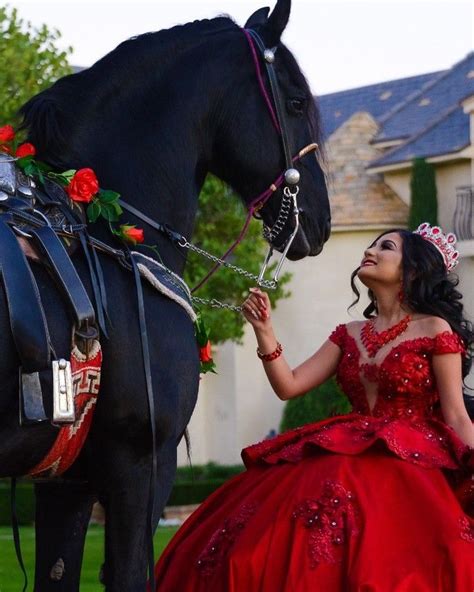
11	578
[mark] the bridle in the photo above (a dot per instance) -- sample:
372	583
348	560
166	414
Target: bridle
290	177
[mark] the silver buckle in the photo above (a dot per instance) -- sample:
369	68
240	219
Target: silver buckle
63	396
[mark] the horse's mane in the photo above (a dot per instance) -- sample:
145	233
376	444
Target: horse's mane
49	115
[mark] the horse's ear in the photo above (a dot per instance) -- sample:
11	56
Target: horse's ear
259	17
278	20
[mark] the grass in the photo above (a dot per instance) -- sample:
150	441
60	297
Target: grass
11	578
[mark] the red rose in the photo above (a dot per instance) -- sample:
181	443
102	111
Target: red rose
205	354
26	149
83	186
7	134
131	234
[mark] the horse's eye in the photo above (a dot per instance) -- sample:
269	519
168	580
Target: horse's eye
296	106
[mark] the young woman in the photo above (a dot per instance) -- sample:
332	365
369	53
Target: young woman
379	500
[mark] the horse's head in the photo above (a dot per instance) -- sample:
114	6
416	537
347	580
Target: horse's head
248	149
163	109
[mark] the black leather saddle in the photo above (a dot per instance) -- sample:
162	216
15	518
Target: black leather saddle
31	219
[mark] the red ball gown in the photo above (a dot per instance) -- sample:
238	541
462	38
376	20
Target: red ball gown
379	500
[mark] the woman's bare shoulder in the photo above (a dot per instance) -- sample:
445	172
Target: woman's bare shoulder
354	327
431	325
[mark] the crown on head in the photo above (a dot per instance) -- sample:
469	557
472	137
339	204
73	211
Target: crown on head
443	242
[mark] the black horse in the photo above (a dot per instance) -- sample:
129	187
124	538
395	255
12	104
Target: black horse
152	118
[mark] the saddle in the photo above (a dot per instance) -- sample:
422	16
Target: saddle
42	224
30	219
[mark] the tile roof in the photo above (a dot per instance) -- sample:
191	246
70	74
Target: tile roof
447	134
376	99
418	112
422	111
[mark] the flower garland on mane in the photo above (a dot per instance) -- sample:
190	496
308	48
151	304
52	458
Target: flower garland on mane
82	186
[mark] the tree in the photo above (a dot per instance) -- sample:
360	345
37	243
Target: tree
220	218
319	403
424	199
30	61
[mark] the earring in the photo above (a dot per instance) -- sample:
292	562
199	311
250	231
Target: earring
401	295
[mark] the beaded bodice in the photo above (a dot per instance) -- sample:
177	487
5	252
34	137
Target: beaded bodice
406	386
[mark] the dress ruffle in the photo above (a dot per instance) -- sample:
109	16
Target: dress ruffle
428	443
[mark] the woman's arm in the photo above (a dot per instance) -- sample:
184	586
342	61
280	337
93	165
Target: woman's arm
448	372
287	383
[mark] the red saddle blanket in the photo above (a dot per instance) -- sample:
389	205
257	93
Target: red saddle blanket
71	437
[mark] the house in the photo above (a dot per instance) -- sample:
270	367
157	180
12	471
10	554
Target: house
372	135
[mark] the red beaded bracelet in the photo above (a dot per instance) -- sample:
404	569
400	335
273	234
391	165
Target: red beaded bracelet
272	355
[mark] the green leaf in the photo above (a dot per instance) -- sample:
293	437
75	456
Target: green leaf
207	367
117	208
69	174
106	196
94	210
202	332
59	178
108	212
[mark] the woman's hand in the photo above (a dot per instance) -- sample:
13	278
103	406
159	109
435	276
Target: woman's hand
257	308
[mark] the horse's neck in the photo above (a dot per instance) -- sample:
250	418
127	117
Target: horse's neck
168	196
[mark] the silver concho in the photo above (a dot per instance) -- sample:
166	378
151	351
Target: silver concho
269	56
292	176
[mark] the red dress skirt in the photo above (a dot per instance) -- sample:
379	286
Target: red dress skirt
380	502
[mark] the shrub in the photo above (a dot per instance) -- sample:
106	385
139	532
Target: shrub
319	403
210	470
424	200
25	503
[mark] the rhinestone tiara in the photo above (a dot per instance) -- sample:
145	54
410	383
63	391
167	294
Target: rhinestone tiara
443	242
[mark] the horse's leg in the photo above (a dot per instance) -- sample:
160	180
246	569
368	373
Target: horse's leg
121	435
63	507
126	524
62	515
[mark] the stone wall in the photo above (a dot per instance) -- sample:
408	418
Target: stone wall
358	198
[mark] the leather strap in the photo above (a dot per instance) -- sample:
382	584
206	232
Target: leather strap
151	410
27	318
94	282
66	275
31	399
277	100
172	234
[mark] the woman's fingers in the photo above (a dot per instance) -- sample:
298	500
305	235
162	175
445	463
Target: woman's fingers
253	308
255	311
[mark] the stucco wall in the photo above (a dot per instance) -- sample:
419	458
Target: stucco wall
237	407
448	177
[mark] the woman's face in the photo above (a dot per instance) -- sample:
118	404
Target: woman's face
382	261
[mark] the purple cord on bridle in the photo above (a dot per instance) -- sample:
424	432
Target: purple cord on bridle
259	201
261	83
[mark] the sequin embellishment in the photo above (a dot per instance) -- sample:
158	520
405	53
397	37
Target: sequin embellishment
223	539
329	520
467	529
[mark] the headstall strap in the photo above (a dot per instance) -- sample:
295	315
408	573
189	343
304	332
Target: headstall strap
269	58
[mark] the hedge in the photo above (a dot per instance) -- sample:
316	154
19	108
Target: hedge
424	199
25	502
324	401
192	486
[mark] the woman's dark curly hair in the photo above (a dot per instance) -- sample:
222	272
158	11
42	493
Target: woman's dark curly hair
427	289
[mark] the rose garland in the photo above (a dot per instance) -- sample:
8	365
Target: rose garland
82	186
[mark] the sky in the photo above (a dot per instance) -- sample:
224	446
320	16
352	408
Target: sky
339	44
